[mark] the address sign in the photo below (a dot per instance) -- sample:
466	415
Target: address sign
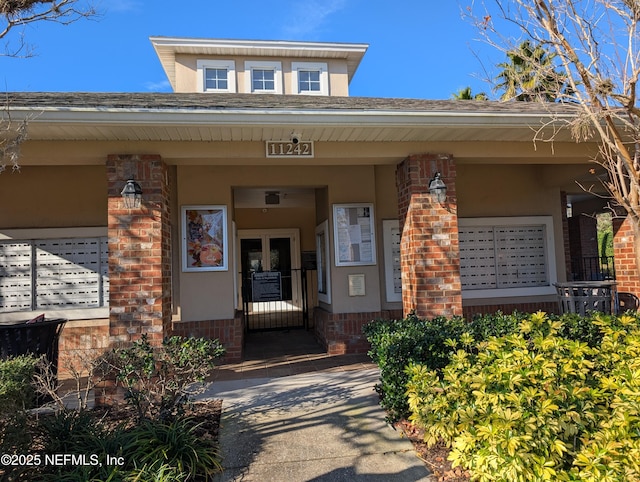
289	149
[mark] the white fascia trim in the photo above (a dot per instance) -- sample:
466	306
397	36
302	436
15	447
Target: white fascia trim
255	45
109	116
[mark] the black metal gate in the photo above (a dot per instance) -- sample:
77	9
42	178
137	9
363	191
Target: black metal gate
275	300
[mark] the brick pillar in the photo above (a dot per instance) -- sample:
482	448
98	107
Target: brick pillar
429	249
624	256
139	252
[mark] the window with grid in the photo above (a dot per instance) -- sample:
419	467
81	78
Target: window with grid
263	79
309	81
503	255
216	79
310	78
216	75
66	273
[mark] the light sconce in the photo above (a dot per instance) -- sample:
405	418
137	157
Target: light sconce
132	194
437	188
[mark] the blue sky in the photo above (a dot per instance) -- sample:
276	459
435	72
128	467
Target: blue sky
417	48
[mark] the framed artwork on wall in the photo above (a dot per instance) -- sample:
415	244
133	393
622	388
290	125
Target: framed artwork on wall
204	238
354	234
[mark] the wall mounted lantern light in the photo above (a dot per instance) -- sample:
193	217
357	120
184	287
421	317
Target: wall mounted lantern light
132	194
437	188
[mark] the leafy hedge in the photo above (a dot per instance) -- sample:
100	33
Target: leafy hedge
162	442
535	405
16	388
398	343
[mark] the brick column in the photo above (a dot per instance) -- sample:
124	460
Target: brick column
624	256
429	249
139	252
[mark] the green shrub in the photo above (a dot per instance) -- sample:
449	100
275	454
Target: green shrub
158	381
397	343
80	433
534	405
173	449
16	384
580	328
152	450
156	472
17	394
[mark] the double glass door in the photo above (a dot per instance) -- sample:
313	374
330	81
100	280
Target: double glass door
270	276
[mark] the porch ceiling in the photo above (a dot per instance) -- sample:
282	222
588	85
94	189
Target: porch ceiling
95	131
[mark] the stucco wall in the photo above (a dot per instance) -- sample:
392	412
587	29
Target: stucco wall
75	196
186	73
52	197
514	190
209	295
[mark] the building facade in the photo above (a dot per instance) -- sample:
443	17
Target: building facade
271	199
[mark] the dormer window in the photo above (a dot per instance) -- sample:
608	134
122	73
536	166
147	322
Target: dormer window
216	79
263	77
216	76
310	78
308	81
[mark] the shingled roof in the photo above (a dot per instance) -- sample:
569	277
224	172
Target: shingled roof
213	101
254	117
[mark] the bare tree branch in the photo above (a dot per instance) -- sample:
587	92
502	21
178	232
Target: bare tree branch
12	135
19	13
596	53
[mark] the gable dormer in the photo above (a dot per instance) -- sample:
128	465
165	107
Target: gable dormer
256	66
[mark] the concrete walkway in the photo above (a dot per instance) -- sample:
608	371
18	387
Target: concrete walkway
320	426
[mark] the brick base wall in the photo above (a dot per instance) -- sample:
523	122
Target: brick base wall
546	306
80	343
625	261
341	333
229	332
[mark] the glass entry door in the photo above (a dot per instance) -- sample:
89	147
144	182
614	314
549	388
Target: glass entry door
271	283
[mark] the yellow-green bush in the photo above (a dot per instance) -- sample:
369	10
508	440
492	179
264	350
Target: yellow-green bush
534	405
398	343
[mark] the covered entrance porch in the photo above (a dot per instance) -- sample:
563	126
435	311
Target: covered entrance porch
276	279
279	353
273	285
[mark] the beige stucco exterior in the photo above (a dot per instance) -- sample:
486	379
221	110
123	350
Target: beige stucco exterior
74	196
211	149
186	74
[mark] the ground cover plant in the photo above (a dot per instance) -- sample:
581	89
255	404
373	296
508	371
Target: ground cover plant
159	434
535	404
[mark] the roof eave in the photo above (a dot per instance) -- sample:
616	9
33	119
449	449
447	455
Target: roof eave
166	49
